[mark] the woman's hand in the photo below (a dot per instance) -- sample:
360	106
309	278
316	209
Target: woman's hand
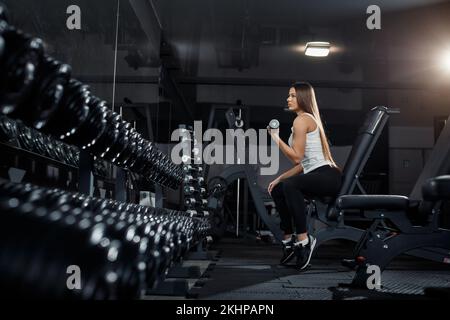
274	133
273	184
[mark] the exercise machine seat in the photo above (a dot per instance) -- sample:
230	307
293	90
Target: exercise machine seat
362	148
373	202
437	188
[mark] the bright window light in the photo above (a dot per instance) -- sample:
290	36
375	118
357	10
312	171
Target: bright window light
317	49
445	60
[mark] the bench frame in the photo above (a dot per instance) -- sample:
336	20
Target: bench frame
380	245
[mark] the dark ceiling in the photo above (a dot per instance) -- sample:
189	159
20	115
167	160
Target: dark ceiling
239	29
287	24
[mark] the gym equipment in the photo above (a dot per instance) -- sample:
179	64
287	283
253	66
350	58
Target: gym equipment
394	229
438	162
325	221
19	66
39	91
193	181
3	13
17	134
73	110
274	124
121	248
47	95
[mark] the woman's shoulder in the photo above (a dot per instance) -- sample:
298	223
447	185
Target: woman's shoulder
305	120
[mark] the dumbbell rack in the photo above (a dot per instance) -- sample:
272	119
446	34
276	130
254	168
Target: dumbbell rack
194	186
183	275
29	152
45	214
45	97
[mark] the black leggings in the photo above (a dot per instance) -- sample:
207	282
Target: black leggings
289	194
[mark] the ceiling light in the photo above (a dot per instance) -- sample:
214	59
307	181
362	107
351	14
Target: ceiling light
317	49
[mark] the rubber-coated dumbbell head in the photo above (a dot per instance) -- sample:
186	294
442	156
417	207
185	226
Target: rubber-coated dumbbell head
8	130
95	126
52	82
103	141
18	70
91	128
73	110
3	12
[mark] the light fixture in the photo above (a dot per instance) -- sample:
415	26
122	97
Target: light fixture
445	60
317	49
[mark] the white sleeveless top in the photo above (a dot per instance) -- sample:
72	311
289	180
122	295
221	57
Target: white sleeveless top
314	157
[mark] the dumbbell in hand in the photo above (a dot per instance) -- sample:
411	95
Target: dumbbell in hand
274	128
274	124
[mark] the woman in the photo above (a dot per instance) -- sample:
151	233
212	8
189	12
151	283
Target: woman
314	173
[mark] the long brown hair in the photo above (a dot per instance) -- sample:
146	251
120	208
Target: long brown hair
306	100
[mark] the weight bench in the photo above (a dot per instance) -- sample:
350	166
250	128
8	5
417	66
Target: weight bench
325	222
399	225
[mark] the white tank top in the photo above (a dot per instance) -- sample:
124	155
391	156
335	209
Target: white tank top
314	157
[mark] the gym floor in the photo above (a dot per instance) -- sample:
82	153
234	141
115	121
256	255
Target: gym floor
248	270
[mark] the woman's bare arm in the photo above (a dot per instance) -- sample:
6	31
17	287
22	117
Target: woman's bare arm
297	152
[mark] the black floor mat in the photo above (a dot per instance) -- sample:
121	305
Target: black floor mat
249	270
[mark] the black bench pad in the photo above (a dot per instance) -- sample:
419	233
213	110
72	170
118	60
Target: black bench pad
373	202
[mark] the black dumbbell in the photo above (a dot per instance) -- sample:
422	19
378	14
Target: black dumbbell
103	141
8	130
195	200
19	66
142	151
59	237
192	168
52	80
189	179
3	12
120	144
167	243
73	110
190	190
93	128
133	151
25	136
